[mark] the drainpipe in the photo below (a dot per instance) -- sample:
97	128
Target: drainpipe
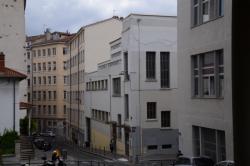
14	105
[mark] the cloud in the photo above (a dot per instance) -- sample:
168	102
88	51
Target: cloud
62	15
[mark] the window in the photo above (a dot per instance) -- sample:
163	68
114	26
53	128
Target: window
44	109
39	95
34	95
126	104
28	68
49	80
208	74
49	92
28	97
28	55
54	79
39	80
54	110
54	65
49	109
125	56
34	67
64	95
151	110
64	109
44	95
34	80
64	65
206	10
39	67
65	50
44	52
64	79
44	66
34	53
152	147
54	51
117	86
49	66
166	146
119	129
49	52
209	142
39	53
165	118
54	95
165	70
150	65
44	80
28	82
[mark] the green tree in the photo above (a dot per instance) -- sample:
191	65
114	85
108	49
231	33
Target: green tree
24	126
7	141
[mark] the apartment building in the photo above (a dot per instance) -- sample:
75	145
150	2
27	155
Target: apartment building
130	98
204	78
88	47
46	65
12	43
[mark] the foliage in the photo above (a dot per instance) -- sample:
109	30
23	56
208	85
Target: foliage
24	126
7	141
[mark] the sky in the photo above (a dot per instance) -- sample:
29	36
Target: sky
71	15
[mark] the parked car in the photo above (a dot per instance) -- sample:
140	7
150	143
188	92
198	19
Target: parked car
225	163
194	161
39	143
48	134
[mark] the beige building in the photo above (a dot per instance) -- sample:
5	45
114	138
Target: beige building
12	44
88	47
46	56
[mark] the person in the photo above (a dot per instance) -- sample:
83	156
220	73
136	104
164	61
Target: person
111	145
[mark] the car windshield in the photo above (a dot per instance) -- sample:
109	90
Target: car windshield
203	162
183	160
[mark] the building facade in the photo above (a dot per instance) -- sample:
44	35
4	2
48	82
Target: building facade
12	43
46	65
204	78
130	98
88	47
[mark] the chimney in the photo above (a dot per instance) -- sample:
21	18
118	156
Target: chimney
2	61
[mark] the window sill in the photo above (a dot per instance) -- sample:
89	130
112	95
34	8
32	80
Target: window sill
116	95
162	88
151	120
194	26
207	97
151	80
165	128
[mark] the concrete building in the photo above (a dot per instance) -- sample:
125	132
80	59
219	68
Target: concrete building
130	98
12	43
88	47
46	60
9	95
204	78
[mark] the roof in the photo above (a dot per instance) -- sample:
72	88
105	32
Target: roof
48	42
148	15
10	73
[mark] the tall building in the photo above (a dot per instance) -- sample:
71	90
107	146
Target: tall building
88	47
204	78
131	97
12	44
46	60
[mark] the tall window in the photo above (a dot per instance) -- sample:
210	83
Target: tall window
39	67
49	66
28	68
54	79
54	110
39	80
119	129
209	142
49	52
165	70
151	110
49	94
125	65
49	109
206	10
54	51
44	66
64	109
28	55
44	80
44	95
49	80
44	52
165	118
65	50
54	65
39	53
34	80
208	74
34	53
150	65
117	86
54	95
34	66
126	104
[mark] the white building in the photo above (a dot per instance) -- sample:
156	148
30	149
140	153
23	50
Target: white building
204	78
138	99
9	95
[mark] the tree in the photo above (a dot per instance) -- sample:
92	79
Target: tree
7	141
24	126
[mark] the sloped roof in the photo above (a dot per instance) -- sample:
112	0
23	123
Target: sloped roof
10	73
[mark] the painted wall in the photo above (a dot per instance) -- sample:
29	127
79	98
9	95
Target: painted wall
211	113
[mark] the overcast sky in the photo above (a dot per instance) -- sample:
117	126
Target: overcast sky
63	15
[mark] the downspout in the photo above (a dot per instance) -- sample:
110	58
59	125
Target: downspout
78	90
14	105
70	87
